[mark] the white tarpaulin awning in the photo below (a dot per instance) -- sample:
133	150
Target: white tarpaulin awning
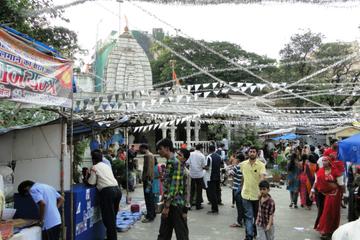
279	132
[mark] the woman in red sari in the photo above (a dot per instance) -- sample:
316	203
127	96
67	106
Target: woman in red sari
329	181
307	178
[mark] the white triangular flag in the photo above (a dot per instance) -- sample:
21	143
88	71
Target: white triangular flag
205	85
243	89
252	88
189	88
225	90
206	94
197	86
216	92
196	96
260	86
156	126
249	84
214	85
239	84
170	99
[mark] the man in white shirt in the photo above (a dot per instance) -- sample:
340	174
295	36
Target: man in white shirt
196	164
226	145
221	152
102	176
348	231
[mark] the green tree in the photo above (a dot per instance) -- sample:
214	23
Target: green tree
343	77
300	48
307	46
11	114
144	42
18	14
162	69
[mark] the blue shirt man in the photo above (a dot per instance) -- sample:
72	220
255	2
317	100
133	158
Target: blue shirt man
48	200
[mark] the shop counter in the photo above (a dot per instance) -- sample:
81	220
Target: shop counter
32	233
86	212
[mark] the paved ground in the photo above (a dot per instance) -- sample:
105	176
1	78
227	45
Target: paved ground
294	224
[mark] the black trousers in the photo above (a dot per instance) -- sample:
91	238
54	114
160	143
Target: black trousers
52	233
109	204
213	195
320	200
175	220
294	197
149	200
218	192
196	190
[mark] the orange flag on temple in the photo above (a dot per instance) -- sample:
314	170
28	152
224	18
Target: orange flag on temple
174	77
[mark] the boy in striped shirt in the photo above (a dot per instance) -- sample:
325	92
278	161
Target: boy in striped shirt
237	184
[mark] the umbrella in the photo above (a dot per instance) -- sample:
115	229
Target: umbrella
289	136
349	149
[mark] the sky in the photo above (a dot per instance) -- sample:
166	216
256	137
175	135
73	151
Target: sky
260	28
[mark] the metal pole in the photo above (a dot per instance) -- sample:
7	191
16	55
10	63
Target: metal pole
127	163
71	169
62	154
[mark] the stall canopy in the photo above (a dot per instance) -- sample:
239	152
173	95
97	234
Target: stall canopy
279	132
349	149
289	136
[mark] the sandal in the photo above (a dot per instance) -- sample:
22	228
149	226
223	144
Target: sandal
235	225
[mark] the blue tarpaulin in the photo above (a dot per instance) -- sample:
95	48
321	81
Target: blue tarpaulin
289	136
31	41
349	149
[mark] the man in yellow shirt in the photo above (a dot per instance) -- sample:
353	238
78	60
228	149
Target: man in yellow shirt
253	172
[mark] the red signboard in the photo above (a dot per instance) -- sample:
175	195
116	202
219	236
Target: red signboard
30	76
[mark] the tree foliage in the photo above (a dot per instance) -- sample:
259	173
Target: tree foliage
11	114
308	46
17	14
162	70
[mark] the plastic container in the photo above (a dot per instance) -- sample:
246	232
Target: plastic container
8	213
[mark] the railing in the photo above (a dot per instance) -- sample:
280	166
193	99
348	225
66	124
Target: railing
192	144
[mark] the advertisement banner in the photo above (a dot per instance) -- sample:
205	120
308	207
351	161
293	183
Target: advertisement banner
30	76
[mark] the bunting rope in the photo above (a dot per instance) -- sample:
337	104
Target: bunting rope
231	61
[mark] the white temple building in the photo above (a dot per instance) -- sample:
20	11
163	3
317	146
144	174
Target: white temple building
128	67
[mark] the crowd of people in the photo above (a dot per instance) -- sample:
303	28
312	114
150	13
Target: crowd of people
187	174
314	177
319	177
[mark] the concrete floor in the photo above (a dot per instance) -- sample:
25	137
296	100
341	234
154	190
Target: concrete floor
294	224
